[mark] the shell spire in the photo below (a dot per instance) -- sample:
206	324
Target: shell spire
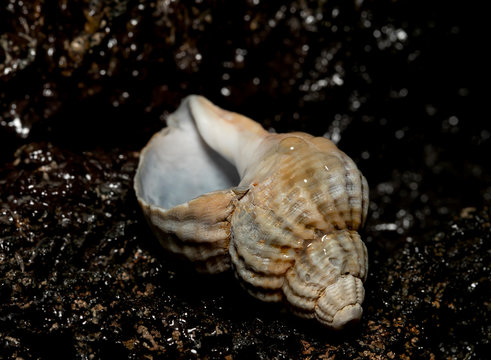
282	210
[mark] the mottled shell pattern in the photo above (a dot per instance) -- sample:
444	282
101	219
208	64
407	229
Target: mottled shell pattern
281	210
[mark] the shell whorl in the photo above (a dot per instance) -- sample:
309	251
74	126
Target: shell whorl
283	210
327	279
294	234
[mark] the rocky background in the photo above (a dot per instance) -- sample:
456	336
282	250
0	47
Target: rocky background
85	83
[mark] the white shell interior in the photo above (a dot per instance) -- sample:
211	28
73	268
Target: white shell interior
177	165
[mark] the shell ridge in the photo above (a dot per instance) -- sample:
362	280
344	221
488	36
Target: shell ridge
297	291
250	277
361	254
259	259
347	184
357	188
330	208
192	252
365	202
287	226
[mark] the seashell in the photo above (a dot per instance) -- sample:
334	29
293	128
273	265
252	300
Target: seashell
281	210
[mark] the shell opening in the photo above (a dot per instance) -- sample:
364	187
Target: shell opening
177	165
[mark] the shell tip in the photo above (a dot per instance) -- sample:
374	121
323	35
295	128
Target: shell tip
348	315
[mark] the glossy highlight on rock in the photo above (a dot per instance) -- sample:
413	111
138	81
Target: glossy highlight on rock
282	210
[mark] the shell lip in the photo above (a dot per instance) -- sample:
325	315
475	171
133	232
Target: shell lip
141	158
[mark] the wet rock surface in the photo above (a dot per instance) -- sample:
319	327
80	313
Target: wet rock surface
84	84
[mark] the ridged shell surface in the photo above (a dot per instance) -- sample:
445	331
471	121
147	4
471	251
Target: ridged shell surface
283	210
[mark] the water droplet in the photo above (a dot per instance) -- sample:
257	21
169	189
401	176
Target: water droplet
225	91
453	120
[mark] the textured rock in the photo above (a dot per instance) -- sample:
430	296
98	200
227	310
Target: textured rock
81	275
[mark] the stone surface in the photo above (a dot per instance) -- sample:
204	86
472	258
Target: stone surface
83	85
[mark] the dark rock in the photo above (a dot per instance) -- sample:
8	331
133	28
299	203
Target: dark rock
84	84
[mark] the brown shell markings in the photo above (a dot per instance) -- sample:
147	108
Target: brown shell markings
282	210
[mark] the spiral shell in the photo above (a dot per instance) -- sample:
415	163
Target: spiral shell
281	210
